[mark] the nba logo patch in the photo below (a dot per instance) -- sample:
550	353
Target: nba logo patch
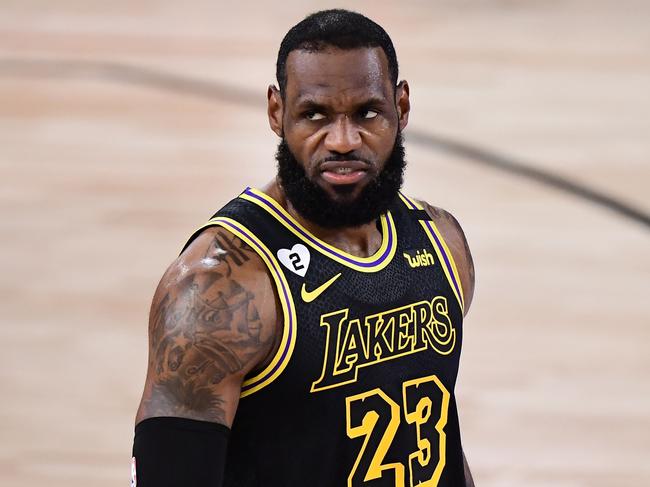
134	477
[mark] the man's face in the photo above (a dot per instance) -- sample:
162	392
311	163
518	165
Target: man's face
340	121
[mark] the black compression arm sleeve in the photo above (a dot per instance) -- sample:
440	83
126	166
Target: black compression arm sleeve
179	452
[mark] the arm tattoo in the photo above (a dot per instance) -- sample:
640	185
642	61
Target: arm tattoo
203	329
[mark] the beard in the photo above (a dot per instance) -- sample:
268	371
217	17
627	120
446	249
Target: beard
314	204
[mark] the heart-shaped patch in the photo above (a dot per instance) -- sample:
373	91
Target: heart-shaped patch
296	259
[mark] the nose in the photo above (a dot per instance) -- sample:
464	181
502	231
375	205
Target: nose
343	136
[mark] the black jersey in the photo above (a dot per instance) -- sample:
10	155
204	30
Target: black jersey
361	389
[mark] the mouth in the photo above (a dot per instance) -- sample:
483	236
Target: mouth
344	172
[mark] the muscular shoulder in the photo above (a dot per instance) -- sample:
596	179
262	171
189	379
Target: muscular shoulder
457	243
214	259
213	320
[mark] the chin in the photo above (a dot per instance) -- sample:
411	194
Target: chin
344	192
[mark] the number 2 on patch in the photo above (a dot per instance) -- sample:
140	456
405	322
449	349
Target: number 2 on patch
375	416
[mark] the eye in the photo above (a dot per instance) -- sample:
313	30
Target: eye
314	116
368	114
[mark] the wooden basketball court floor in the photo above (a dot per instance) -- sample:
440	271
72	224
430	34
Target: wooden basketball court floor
123	125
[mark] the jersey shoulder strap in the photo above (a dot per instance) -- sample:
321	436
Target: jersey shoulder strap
237	209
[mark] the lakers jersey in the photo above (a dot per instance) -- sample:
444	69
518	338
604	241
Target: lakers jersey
361	389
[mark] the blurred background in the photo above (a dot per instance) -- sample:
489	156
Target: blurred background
124	125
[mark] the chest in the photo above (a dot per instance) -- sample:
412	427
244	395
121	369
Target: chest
353	330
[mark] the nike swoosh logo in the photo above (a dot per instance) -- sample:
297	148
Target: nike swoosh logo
309	296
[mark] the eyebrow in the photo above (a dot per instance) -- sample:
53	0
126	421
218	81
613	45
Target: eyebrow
313	103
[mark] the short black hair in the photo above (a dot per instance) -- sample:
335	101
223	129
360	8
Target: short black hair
337	28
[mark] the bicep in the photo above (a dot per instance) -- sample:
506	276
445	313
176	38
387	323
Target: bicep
212	321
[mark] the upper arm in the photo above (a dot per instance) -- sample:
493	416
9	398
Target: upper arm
213	320
457	243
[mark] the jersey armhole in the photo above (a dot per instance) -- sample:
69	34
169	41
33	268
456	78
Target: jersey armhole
281	358
445	257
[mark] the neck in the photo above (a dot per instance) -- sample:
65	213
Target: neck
362	241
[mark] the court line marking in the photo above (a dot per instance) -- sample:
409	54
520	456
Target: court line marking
168	81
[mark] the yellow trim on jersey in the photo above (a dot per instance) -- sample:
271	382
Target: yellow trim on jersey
411	203
388	230
453	264
288	342
408	203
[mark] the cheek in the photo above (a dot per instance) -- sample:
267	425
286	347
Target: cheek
385	126
382	137
303	145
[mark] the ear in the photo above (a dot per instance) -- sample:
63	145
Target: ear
402	103
275	109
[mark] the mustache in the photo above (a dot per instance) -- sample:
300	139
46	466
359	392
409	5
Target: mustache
350	156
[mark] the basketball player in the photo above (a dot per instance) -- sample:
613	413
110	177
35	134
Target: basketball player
309	334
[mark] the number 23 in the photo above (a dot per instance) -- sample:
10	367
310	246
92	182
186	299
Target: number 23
376	416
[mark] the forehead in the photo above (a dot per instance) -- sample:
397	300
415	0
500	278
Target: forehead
352	73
